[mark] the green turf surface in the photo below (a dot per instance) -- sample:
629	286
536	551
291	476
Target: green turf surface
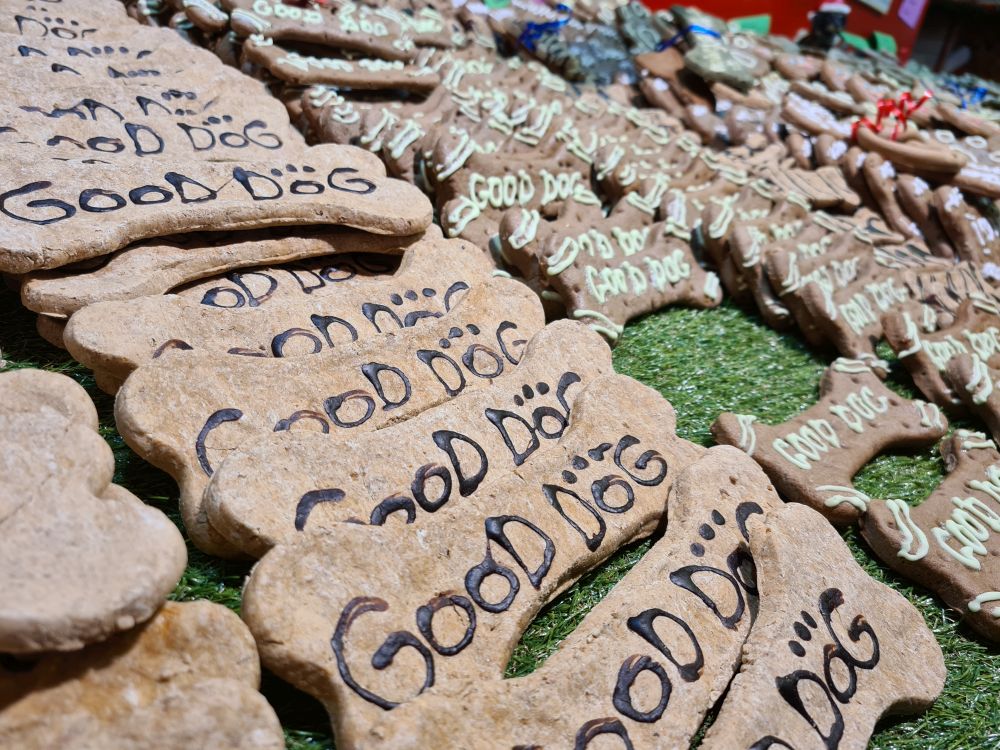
704	362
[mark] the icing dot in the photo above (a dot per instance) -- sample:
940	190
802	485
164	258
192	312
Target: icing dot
706	532
410	295
808	618
455	333
276	172
796	648
518	400
473	329
395	299
802	631
229	118
307	168
528	393
542	388
697	550
569	477
428	292
579	462
444	343
718	519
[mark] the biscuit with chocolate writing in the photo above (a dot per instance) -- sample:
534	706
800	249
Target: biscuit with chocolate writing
157	687
118	336
949	542
57	212
813	457
80	558
484	567
832	650
619	673
186	412
453	449
158	266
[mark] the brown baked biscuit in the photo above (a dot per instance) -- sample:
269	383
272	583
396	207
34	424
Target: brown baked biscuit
813	457
916	199
452	450
880	176
186	412
533	532
157	687
862	649
948	542
974	382
974	234
58	212
158	266
292	67
80	557
598	681
118	336
75	22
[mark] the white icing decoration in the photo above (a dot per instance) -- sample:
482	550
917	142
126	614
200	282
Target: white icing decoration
980	386
604	324
712	288
908	531
848	495
930	414
975	605
748	436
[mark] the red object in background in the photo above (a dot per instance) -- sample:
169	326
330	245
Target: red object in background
789	16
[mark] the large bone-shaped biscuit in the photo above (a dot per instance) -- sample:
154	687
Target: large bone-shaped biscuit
80	558
813	457
648	661
336	618
117	337
188	678
157	266
950	542
438	458
188	411
832	649
56	212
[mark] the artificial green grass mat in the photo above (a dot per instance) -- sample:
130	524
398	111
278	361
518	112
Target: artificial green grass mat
704	362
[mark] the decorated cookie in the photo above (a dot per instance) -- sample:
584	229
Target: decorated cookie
157	687
916	199
832	650
948	542
925	347
975	383
813	457
58	212
217	404
481	435
484	567
975	235
80	558
880	176
118	336
617	674
158	266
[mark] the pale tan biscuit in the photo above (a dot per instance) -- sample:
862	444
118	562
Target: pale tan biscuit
474	575
619	673
404	468
949	542
158	266
57	212
80	558
832	650
186	412
116	337
813	457
159	687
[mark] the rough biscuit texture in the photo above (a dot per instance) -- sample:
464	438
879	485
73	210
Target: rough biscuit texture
63	211
436	459
473	575
117	337
159	266
188	678
649	660
80	558
950	542
813	457
187	411
832	649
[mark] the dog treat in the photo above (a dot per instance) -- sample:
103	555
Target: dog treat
949	542
916	199
59	212
51	329
832	650
187	678
813	457
80	558
484	567
188	411
822	188
592	685
925	348
157	266
880	176
81	22
975	383
481	435
116	337
366	73
975	238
